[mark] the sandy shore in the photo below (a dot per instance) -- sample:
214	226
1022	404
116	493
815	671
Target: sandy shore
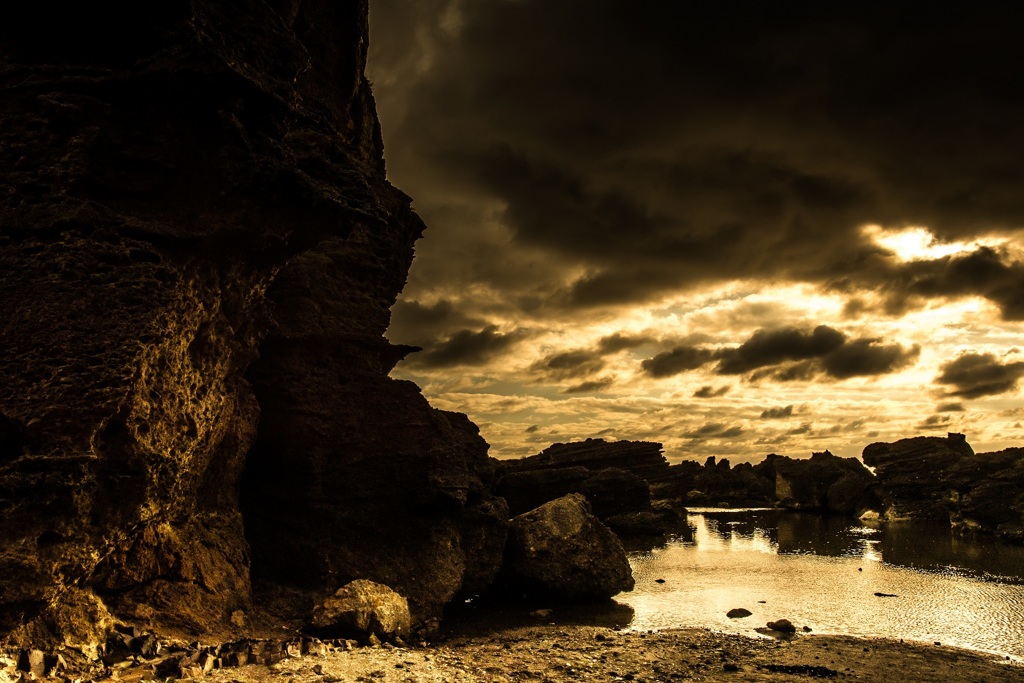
586	653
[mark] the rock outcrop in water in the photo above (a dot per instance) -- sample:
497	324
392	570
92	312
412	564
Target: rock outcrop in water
943	479
198	253
613	476
822	483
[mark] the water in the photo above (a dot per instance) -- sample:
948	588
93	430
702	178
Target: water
823	572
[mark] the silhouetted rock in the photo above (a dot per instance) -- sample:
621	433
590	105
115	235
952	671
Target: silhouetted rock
190	187
782	626
738	613
562	551
613	491
642	458
362	609
525	490
659	520
942	479
606	473
823	482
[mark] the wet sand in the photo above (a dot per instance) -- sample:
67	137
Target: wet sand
558	654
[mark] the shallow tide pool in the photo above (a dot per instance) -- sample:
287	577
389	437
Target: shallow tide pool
824	573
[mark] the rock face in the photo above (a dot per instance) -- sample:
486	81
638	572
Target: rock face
561	551
944	480
362	609
198	252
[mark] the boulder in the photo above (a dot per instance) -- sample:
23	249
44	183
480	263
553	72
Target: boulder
738	613
361	609
562	551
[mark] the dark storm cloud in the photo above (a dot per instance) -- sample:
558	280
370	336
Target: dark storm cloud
620	342
865	357
677	360
772	347
973	375
711	392
665	144
935	422
589	387
776	413
569	364
467	347
714	430
789	354
986	272
416	323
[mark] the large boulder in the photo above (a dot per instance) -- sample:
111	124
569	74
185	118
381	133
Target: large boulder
562	551
361	609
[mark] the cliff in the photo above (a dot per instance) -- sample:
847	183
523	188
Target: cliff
198	253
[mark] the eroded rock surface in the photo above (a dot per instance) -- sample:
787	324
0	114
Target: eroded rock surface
198	252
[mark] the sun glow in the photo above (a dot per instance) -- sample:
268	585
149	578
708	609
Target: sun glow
917	243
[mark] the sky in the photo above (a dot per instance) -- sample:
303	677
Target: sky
734	228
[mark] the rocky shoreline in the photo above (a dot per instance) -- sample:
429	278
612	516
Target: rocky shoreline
199	434
557	653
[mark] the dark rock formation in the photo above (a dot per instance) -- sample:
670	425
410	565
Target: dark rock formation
642	458
562	551
944	480
525	490
823	482
190	187
611	475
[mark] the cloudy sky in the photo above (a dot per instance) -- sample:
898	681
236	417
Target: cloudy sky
735	228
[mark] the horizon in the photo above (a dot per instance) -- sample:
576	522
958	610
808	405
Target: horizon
733	231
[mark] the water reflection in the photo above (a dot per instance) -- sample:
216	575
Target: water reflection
918	545
826	572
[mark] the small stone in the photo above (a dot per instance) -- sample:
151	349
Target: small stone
373	640
806	629
738	613
659	581
782	626
729	666
541	613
